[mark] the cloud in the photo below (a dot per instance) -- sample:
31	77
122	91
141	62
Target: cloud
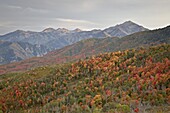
27	9
36	10
76	21
85	14
14	7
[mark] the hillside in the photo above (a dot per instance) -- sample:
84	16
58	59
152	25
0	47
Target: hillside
86	48
135	80
17	51
96	46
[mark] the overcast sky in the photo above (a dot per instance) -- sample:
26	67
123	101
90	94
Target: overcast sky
36	15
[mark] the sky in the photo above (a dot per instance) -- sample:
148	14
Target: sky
36	15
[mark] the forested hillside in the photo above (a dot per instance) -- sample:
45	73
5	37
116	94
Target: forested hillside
134	80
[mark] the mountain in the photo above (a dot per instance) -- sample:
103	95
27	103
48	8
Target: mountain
124	29
51	39
49	30
61	37
16	51
94	46
72	38
89	47
130	81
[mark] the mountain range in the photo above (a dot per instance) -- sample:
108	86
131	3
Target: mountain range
93	46
20	45
58	38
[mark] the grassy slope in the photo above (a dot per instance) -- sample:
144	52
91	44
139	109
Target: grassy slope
127	81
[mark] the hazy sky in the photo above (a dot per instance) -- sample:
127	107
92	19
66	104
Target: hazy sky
37	15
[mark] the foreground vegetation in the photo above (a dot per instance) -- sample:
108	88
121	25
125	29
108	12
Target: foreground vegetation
128	81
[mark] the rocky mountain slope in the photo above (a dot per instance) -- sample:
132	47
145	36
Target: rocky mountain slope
16	51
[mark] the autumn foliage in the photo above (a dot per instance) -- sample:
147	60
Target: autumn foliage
127	81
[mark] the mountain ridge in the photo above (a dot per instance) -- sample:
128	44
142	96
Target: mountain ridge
53	39
64	37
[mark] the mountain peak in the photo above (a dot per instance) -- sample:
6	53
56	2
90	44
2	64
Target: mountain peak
126	28
63	30
19	31
49	29
128	23
77	30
